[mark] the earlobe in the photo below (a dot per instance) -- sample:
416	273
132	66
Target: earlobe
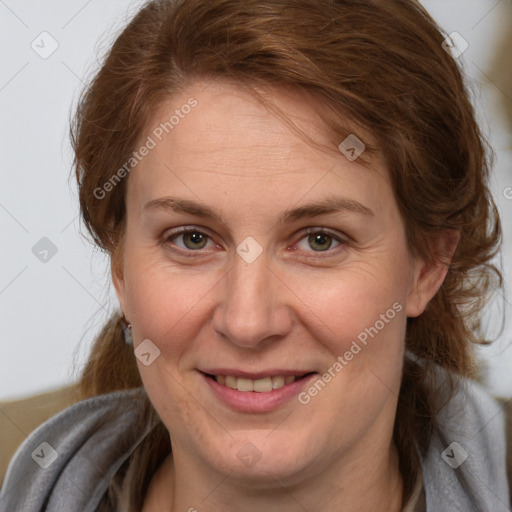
428	276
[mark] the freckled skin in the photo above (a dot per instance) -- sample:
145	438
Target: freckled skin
298	308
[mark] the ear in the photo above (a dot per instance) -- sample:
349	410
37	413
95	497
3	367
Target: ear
427	276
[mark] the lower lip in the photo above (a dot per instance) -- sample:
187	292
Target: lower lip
253	401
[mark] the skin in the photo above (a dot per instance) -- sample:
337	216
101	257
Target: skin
300	304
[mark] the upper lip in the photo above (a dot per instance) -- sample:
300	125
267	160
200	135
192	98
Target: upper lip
254	375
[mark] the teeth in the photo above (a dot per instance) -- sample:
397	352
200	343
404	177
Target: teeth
263	385
277	382
259	385
244	384
230	382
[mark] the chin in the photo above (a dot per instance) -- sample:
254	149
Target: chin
251	466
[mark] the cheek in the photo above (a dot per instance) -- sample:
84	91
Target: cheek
357	303
165	302
362	326
168	303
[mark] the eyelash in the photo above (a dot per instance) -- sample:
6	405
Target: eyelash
189	252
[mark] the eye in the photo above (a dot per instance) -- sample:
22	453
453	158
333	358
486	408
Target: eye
192	239
320	241
195	240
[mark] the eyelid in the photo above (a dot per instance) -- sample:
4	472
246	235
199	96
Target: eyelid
342	240
319	229
183	230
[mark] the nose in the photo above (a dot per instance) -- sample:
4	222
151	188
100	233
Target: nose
252	311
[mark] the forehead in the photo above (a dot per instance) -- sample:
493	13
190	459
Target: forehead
215	138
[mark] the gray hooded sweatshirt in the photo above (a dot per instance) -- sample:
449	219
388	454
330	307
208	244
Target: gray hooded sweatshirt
67	463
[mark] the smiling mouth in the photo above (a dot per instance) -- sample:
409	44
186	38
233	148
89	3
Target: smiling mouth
263	385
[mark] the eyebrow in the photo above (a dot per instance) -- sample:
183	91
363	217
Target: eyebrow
314	209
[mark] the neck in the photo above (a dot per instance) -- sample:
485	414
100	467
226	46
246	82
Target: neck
373	485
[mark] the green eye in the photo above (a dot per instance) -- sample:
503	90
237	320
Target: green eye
194	240
322	241
316	240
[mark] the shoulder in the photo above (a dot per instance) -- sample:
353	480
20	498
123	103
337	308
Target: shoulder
69	460
465	466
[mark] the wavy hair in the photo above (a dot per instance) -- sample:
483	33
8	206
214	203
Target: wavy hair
377	65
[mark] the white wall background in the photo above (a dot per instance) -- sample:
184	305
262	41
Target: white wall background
50	311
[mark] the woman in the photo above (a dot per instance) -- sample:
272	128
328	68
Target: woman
294	198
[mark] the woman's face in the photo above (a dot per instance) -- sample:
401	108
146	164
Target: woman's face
265	285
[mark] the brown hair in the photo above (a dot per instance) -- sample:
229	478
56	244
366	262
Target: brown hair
378	65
